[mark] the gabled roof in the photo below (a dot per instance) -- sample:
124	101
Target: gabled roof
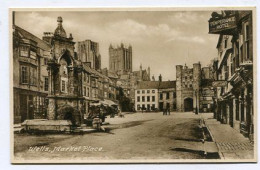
94	72
156	84
26	35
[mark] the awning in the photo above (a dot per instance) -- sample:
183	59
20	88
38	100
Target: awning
104	102
110	102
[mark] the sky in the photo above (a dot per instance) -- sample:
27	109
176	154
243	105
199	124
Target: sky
159	39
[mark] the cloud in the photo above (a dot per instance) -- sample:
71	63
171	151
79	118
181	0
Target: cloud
191	39
130	29
159	40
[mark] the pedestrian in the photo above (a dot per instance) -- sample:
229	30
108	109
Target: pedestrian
169	112
102	114
164	111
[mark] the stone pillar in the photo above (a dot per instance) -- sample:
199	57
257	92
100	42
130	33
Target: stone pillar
54	87
51	115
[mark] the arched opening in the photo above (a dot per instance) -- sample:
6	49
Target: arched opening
69	116
188	104
67	112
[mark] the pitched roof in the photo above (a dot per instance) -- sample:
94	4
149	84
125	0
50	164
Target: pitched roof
94	72
167	84
25	34
156	85
112	74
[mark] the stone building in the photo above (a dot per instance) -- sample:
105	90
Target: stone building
193	88
30	76
159	95
120	59
88	51
146	96
128	81
234	69
52	82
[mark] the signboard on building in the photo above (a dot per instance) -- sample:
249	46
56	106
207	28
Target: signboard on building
222	25
219	83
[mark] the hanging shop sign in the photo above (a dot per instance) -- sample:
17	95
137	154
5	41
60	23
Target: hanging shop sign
219	83
222	25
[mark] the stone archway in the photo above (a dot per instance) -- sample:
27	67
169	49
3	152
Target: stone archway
67	112
188	104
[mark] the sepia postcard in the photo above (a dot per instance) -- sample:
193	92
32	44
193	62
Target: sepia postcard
133	85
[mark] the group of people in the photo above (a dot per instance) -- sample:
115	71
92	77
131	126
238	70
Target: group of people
166	111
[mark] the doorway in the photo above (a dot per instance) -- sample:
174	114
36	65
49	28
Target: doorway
188	104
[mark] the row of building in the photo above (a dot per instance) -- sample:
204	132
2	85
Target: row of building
233	69
50	74
192	91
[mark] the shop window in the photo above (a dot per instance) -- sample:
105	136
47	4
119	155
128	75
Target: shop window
143	99
148	98
153	98
138	98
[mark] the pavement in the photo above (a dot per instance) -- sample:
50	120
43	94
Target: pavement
231	143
